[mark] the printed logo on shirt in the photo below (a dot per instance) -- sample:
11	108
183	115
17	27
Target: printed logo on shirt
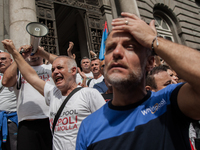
155	108
44	77
67	120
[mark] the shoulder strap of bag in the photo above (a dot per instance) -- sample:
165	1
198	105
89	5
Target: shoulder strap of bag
62	106
88	83
19	76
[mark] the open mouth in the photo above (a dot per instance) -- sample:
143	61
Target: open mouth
95	69
58	79
2	65
34	59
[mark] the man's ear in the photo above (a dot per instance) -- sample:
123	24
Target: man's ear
73	70
148	88
150	63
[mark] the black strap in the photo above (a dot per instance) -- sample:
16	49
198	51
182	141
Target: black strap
62	106
88	83
19	76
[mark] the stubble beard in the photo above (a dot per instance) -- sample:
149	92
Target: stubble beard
128	83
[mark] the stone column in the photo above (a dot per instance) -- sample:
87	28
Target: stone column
119	6
107	13
22	12
4	21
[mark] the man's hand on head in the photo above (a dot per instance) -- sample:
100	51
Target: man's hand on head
140	30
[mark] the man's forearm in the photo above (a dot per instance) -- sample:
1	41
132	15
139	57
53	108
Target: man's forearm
10	75
23	66
48	56
184	60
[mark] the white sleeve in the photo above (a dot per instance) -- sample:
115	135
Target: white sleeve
78	78
96	100
48	91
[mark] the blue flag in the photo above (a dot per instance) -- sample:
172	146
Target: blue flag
103	40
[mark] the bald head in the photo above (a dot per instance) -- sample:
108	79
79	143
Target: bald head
5	61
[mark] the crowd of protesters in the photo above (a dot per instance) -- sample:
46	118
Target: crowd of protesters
144	95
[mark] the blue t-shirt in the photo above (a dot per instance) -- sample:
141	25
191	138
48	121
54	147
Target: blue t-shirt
154	123
101	87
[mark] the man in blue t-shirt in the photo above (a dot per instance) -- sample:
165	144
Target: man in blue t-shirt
136	118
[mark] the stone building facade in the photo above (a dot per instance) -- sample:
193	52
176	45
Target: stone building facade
82	21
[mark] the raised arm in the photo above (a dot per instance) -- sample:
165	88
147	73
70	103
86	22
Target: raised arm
69	50
10	75
26	70
184	60
44	54
82	74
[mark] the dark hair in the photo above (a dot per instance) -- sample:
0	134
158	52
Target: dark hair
150	81
95	58
167	67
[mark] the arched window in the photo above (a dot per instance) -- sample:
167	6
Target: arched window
163	28
197	2
167	23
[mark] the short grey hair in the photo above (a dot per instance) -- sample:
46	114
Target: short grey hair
70	63
85	58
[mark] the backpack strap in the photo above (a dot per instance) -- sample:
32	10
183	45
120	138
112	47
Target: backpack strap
88	83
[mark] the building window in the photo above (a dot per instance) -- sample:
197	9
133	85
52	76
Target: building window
163	28
90	2
197	2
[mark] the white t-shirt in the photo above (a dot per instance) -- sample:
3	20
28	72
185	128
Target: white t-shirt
80	105
8	101
30	103
95	81
79	79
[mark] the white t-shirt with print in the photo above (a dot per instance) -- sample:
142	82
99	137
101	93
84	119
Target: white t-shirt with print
79	79
80	105
95	81
30	103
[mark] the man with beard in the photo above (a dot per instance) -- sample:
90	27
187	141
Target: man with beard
79	106
34	129
95	67
136	118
